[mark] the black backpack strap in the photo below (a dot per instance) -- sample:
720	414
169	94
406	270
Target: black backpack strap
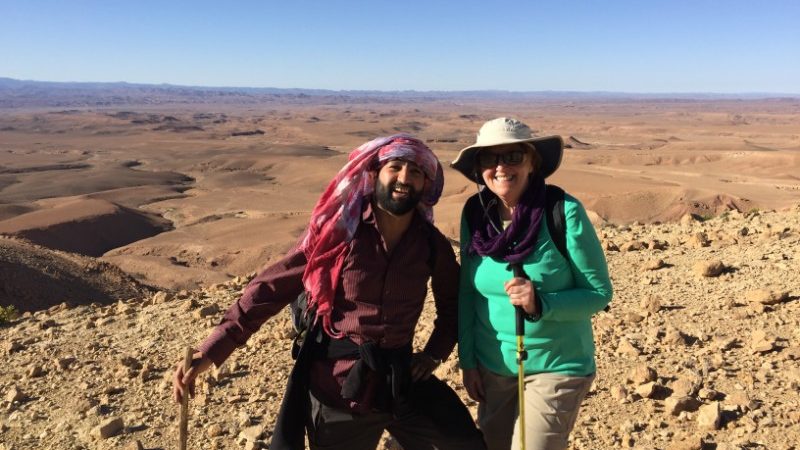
557	221
473	209
435	238
431	235
304	323
556	218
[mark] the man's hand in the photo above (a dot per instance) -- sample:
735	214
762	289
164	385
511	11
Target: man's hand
422	366
474	384
521	293
183	383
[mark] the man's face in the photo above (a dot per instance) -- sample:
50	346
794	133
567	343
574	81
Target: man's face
399	187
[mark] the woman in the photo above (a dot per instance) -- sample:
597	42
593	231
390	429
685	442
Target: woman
503	226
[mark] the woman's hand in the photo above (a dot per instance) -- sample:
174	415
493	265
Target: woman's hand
183	383
474	384
521	293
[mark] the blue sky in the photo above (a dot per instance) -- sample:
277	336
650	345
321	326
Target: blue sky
729	46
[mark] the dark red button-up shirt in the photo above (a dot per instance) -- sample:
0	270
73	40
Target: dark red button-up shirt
379	299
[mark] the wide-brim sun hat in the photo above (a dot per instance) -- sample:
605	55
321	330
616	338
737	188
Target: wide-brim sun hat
503	131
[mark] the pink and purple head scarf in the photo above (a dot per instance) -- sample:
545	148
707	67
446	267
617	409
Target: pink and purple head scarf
338	212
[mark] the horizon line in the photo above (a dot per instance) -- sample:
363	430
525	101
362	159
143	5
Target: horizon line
415	91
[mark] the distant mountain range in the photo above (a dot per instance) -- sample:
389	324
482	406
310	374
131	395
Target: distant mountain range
26	93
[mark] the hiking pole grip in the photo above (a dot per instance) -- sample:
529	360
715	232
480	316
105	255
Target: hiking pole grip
519	272
184	421
520	313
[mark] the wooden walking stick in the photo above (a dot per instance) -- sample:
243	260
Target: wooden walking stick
184	423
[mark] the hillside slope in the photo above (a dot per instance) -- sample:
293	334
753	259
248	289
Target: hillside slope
35	278
685	360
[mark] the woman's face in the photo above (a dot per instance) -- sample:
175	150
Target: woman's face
505	170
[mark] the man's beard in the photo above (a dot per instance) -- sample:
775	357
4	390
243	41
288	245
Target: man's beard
400	206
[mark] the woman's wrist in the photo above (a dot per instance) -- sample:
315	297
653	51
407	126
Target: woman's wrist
536	314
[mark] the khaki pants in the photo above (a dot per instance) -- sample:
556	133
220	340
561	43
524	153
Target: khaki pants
552	402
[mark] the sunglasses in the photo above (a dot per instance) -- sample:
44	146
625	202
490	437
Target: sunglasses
488	159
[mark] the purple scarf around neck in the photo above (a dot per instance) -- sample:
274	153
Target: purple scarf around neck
518	240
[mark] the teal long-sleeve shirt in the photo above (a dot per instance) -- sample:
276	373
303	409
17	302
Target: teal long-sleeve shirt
571	291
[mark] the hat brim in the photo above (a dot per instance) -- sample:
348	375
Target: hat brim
549	148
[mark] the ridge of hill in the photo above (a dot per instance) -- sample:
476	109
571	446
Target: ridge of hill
700	350
35	278
88	226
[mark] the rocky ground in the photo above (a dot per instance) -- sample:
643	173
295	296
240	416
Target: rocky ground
701	349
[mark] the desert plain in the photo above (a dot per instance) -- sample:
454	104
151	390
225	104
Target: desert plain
127	228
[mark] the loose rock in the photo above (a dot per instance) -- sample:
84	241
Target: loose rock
134	445
15	395
709	268
214	430
162	297
643	374
699	240
109	427
766	297
647	390
252	433
708	416
651	305
207	311
676	405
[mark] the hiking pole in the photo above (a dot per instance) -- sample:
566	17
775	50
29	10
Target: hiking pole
522	355
184	423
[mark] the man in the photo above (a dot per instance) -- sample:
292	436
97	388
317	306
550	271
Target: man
364	261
